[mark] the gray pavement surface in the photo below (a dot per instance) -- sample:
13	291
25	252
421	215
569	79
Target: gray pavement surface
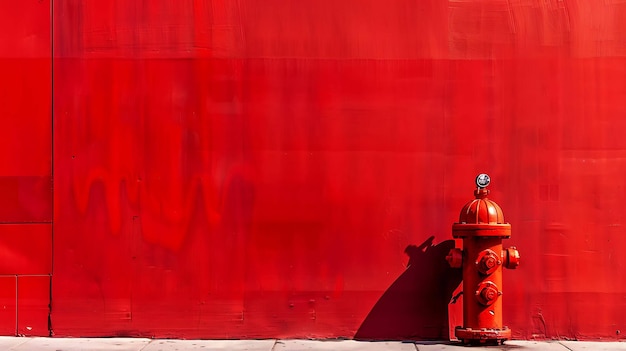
143	344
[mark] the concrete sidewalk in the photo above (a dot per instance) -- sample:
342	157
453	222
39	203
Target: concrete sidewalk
142	344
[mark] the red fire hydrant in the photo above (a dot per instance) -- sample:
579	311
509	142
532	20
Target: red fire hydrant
481	226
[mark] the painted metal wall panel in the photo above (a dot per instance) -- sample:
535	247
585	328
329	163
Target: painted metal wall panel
33	305
268	168
25	166
26	249
8	302
25	136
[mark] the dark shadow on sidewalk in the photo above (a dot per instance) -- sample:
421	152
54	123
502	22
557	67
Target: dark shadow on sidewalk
415	307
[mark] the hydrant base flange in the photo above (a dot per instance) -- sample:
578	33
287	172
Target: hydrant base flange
466	335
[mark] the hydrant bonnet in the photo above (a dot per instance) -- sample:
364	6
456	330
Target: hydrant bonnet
482	215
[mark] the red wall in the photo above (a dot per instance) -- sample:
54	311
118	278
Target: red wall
252	169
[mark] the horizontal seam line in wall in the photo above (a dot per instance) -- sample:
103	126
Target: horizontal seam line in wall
40	222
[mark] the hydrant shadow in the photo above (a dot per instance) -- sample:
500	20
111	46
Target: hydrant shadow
415	307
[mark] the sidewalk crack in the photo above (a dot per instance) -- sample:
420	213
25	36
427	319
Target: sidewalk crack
146	345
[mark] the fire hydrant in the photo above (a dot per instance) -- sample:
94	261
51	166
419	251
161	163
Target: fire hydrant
481	226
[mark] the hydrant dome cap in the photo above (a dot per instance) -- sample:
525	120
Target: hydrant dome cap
481	211
481	216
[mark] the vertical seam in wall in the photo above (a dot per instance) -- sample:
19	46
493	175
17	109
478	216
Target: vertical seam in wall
51	161
16	309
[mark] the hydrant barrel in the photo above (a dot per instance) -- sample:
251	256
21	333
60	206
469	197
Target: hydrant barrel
482	227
